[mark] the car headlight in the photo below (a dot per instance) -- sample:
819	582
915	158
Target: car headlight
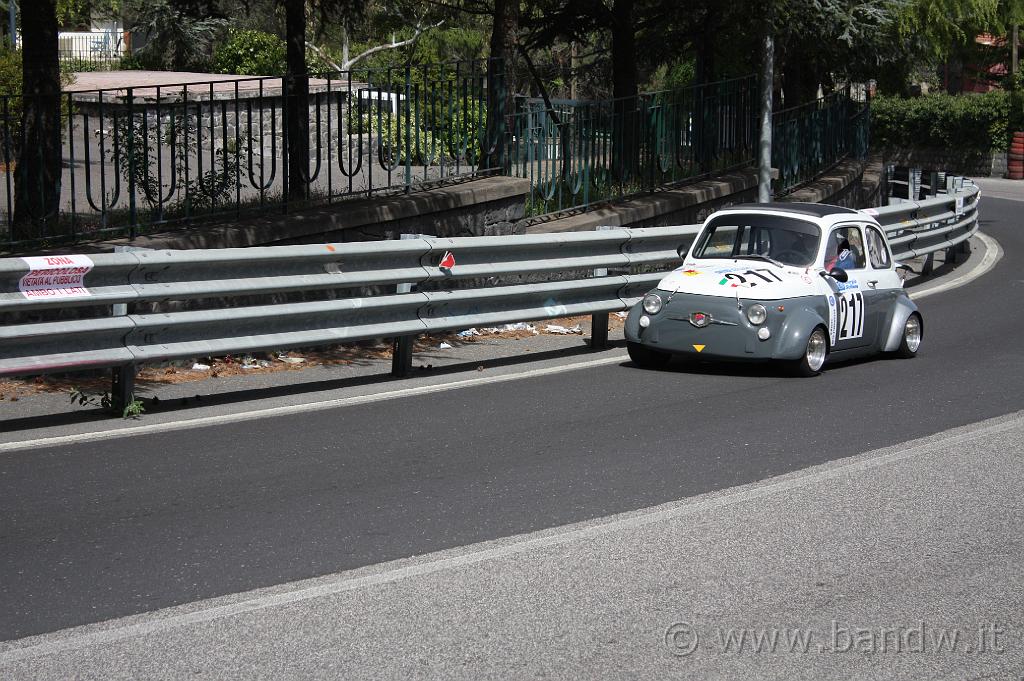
652	303
756	314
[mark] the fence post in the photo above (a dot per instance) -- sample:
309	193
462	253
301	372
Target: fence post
401	347
132	217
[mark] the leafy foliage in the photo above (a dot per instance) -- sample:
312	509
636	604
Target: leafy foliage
175	39
132	410
251	53
969	122
257	53
178	136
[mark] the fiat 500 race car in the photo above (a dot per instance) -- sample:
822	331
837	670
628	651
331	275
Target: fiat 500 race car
798	282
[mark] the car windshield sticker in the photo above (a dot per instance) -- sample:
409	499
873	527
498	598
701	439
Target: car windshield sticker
831	319
851	315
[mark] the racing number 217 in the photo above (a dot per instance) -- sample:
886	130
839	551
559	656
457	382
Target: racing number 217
851	315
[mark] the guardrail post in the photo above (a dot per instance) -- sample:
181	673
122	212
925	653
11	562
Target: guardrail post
913	184
122	379
599	320
401	347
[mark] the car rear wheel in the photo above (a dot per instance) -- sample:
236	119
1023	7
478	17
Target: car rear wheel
913	334
814	355
646	357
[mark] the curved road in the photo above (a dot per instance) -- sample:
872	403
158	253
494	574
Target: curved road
129	525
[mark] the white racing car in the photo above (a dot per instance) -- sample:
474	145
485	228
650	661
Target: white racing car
798	282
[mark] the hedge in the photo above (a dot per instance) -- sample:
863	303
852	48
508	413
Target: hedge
255	53
978	122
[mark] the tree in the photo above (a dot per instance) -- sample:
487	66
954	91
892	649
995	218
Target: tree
296	83
179	33
38	178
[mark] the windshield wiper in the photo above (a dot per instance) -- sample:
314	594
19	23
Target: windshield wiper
758	256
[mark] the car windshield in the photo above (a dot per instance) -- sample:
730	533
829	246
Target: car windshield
787	240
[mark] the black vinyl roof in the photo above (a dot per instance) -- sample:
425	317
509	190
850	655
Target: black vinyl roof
818	210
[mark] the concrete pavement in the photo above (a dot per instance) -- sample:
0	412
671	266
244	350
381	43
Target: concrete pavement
898	563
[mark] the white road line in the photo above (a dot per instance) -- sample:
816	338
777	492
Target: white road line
993	253
240	417
215	609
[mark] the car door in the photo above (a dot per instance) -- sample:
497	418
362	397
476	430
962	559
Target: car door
856	319
883	282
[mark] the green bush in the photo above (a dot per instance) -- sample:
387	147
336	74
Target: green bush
255	53
10	71
250	53
130	62
970	122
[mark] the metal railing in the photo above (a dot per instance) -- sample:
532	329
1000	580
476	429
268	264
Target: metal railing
809	139
202	303
91	48
135	159
578	153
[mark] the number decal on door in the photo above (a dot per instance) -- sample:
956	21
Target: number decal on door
851	315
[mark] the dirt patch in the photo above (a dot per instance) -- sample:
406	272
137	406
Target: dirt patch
14	389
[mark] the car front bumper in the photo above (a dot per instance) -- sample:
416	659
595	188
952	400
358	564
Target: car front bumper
729	335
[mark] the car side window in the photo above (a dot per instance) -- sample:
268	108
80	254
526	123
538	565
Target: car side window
878	254
845	249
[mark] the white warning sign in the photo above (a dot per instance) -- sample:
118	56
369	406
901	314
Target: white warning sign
56	276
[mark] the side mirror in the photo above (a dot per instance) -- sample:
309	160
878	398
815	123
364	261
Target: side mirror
839	274
681	251
903	270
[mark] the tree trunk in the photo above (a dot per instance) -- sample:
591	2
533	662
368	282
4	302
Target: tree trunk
296	83
625	155
37	181
499	82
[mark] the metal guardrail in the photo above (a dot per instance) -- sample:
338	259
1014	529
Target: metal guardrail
610	270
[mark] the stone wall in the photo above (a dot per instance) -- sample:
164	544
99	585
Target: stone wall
683	206
852	183
956	162
477	207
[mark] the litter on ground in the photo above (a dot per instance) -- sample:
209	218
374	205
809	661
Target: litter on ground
444	346
562	330
200	367
518	326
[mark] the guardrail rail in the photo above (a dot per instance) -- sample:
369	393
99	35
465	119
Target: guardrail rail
369	289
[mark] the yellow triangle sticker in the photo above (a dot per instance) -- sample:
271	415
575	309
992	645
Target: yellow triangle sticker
698	348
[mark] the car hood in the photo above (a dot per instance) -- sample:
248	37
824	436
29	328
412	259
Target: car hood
744	278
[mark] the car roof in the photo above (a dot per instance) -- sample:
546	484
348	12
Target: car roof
817	210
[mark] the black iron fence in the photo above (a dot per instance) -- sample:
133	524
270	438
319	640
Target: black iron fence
811	138
122	162
134	160
93	49
577	153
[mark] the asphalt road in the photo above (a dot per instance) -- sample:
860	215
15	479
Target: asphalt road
896	564
129	525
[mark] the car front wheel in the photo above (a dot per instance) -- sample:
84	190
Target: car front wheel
913	334
646	357
814	355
